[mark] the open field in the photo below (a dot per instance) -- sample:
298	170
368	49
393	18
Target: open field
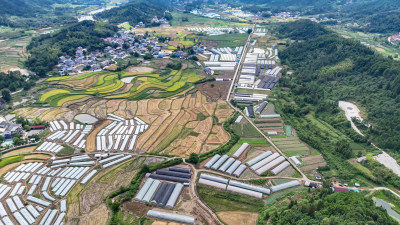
221	200
13	53
238	218
108	85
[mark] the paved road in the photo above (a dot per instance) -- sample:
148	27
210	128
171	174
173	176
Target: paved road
231	92
240	64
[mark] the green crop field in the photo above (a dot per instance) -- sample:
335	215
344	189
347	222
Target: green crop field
150	85
221	200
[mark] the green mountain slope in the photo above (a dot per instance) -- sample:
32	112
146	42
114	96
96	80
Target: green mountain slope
135	12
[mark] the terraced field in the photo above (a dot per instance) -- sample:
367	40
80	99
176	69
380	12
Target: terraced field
178	126
108	85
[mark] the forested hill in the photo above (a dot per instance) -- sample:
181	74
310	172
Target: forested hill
379	16
45	49
135	11
329	68
41	13
337	208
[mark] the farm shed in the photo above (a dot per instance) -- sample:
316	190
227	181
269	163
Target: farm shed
212	161
144	189
171	217
169	178
151	190
295	160
250	111
264	161
212	183
270	165
250	187
233	167
240	150
173	174
283	186
262	107
226	165
174	196
214	178
258	158
170	188
239	170
244	191
180	169
279	168
159	193
219	162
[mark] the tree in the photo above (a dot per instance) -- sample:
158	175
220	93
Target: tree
249	31
148	56
6	95
17	140
193	158
27	127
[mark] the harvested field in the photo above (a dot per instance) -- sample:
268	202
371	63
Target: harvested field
313	159
139	69
312	166
38	156
238	218
91	138
113	105
20	151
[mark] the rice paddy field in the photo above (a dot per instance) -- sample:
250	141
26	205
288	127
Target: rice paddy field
108	85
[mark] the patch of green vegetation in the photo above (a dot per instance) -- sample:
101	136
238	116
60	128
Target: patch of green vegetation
200	116
388	197
176	131
323	205
259	182
9	160
246	130
67	150
221	200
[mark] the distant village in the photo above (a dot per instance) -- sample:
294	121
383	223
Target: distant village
123	44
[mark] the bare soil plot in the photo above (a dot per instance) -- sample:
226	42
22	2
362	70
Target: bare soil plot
139	69
238	218
38	156
312	166
91	138
313	159
20	151
214	90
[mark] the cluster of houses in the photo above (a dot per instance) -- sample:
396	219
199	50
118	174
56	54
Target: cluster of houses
123	44
70	65
395	38
161	21
286	15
